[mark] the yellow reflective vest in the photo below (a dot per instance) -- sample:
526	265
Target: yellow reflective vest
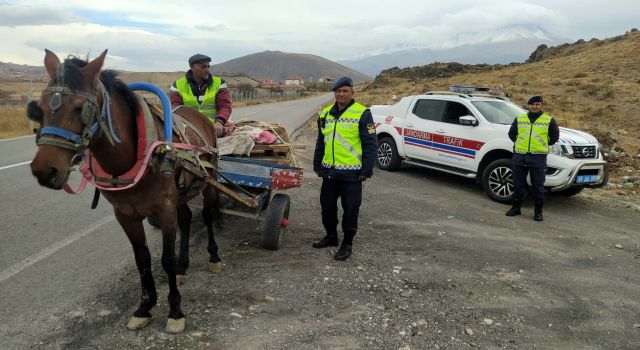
208	105
533	137
342	145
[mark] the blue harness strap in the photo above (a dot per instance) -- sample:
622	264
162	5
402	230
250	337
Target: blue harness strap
166	106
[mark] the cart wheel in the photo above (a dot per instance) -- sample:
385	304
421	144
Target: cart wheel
276	222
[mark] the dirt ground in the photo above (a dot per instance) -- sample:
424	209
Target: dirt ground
436	265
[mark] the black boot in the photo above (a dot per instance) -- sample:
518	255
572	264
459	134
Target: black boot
344	252
515	209
537	212
326	241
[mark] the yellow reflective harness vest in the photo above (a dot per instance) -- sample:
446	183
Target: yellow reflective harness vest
342	144
533	137
208	105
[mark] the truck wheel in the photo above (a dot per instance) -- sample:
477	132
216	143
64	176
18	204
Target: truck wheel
276	222
571	191
388	158
497	180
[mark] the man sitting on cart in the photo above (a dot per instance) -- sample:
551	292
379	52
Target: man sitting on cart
206	93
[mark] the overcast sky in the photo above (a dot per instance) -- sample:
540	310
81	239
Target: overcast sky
160	35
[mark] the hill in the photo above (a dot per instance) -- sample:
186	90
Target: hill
592	86
242	71
279	66
21	72
165	79
505	52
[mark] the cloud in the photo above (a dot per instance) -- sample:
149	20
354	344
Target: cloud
17	15
157	34
210	27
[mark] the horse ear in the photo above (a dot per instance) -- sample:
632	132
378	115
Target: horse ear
51	62
92	69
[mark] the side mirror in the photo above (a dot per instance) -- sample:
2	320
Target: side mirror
34	112
468	120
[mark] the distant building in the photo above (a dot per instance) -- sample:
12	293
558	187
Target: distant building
294	81
325	79
270	84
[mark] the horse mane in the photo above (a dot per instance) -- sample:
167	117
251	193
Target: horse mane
74	80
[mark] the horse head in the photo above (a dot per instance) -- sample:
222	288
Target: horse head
67	112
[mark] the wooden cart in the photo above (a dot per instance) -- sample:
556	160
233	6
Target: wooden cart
247	184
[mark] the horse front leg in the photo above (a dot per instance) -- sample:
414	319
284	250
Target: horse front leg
210	212
135	232
176	320
184	223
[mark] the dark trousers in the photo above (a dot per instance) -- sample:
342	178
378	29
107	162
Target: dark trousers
520	183
350	194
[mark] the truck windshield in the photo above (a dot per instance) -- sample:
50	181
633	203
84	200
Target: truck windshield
498	112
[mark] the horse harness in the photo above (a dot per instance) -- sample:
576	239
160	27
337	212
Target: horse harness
92	119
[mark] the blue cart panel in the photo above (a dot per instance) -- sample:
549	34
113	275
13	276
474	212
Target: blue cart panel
259	174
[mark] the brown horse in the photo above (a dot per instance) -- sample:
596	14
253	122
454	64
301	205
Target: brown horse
72	123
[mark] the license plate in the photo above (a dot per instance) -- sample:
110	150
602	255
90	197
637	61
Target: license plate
585	179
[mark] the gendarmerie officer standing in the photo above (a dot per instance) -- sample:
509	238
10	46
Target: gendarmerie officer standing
532	134
344	158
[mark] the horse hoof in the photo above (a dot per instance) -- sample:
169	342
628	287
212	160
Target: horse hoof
175	326
136	323
181	279
215	267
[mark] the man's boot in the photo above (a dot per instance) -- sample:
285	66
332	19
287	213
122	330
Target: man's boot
345	248
537	212
344	252
515	209
326	241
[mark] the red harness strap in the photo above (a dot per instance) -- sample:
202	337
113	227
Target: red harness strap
93	172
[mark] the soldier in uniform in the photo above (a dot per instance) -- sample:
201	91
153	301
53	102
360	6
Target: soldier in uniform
532	134
344	158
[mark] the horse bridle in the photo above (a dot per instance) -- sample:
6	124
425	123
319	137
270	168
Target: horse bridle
92	118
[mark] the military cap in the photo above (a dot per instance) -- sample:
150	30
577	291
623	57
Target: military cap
535	99
344	81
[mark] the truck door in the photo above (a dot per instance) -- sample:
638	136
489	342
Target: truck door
420	128
454	143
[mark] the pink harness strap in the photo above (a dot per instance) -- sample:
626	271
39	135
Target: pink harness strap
91	169
141	167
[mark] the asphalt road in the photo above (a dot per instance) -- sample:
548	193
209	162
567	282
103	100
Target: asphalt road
56	253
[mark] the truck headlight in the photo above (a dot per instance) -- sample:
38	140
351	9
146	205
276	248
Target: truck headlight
555	149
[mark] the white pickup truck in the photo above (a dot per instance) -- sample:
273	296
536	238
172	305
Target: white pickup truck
467	135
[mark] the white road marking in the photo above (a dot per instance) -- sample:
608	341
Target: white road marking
14	165
46	252
17	138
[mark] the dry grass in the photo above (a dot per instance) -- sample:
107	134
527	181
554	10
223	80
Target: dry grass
13	122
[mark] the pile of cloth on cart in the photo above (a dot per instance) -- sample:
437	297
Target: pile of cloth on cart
239	140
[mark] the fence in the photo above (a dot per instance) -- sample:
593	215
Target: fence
260	94
236	95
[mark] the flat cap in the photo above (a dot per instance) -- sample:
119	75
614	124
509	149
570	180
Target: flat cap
535	99
344	81
197	58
